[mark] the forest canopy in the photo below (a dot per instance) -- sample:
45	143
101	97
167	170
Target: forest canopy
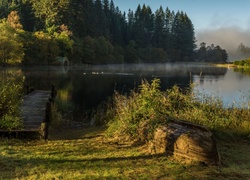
94	32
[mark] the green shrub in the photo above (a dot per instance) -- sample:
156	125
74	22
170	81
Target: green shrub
10	100
138	114
11	47
56	119
245	62
141	110
9	122
236	63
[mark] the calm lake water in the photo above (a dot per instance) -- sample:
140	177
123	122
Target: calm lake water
87	86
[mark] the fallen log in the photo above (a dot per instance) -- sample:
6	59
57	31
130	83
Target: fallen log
187	140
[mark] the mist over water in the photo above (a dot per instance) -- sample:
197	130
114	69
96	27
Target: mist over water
86	87
228	38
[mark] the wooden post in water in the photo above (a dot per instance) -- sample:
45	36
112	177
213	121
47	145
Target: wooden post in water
45	125
48	114
26	89
53	93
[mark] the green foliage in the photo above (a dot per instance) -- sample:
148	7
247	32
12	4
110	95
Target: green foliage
118	54
50	12
182	37
44	48
143	25
103	51
244	62
10	101
6	6
64	41
96	51
153	55
211	53
56	119
140	109
10	122
11	46
63	108
138	114
99	27
163	32
131	53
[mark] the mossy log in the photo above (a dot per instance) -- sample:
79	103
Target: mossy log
183	139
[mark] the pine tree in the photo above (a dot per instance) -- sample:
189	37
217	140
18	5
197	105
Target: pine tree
169	19
182	37
81	18
99	20
130	24
107	18
118	25
143	26
159	26
27	16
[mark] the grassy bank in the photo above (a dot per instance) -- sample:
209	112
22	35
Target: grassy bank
149	108
102	153
87	154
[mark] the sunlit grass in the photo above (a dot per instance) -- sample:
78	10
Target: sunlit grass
90	155
87	158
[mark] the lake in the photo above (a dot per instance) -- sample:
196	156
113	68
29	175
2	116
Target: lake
87	86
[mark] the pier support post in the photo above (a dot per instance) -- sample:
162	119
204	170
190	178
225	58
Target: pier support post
45	124
53	93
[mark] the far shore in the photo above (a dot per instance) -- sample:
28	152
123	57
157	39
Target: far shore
226	65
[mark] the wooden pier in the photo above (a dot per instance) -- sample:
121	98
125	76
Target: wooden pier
35	113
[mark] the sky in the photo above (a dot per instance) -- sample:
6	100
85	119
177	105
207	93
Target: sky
220	22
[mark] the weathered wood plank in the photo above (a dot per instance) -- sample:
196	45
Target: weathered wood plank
33	109
35	114
184	139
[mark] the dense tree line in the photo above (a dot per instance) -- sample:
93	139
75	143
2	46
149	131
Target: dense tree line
212	53
96	31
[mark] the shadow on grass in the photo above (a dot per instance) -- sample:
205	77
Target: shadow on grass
74	134
87	153
9	165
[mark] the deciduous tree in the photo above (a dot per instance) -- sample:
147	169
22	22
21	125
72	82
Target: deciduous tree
11	47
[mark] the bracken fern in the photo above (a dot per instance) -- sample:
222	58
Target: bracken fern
138	114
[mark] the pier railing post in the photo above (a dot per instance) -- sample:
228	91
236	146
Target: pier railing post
48	113
53	93
27	89
48	116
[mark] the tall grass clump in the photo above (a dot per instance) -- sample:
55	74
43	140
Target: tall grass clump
146	108
10	100
138	114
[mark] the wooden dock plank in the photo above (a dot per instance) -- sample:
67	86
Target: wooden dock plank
35	114
33	110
